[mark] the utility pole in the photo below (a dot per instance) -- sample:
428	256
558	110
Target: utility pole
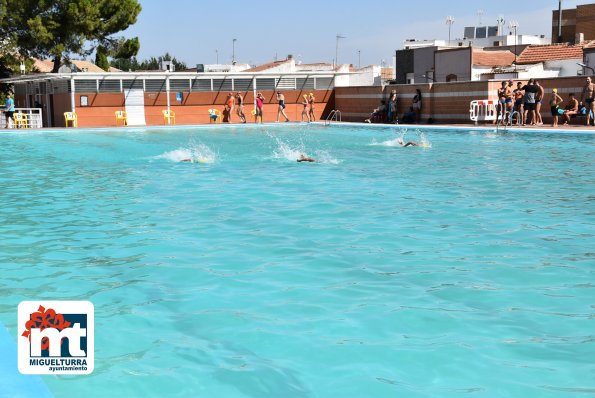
337	48
559	21
514	25
449	21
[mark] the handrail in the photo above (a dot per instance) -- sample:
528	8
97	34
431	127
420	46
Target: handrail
334	115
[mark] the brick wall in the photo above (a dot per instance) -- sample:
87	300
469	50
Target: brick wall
585	20
443	102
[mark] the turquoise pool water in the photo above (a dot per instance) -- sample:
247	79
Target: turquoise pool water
464	269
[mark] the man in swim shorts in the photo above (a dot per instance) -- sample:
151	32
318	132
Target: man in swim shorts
589	96
9	110
571	108
555	102
281	111
501	112
518	99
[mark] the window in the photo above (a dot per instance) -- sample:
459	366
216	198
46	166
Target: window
451	78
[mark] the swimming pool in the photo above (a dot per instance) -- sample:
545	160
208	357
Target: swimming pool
379	271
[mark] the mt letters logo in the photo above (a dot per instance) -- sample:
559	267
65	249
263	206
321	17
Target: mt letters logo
56	337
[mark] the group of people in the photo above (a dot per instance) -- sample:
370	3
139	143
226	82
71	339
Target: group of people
526	101
387	111
236	102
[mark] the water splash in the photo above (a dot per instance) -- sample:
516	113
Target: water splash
325	157
423	140
286	151
293	152
194	153
393	142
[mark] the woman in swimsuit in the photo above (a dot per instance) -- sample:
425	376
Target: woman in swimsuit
240	107
281	111
305	110
259	106
311	110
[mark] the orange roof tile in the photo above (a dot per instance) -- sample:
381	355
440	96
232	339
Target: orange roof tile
540	53
492	58
43	66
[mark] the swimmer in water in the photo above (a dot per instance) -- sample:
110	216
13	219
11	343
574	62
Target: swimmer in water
409	143
304	158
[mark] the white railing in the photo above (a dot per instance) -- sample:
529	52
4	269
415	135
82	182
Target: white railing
32	115
483	110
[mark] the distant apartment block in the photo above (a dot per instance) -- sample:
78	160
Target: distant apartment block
578	24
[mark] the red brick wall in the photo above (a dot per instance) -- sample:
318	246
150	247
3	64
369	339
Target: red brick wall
585	20
443	102
194	107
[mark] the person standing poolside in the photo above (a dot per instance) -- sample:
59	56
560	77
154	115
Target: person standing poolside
392	107
588	95
305	110
416	105
259	106
9	110
538	101
281	110
571	108
529	101
311	107
555	102
518	100
240	107
501	111
229	103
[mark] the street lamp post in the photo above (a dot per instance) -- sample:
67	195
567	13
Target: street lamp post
337	48
585	66
233	51
449	21
514	25
217	56
359	59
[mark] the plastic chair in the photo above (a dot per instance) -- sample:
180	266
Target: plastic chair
121	115
214	115
20	120
70	117
169	116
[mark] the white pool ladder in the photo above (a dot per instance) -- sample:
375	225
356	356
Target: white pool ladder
334	115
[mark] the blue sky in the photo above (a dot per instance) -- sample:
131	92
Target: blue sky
194	31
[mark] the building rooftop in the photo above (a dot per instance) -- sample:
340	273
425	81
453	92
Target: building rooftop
535	54
492	58
46	65
266	66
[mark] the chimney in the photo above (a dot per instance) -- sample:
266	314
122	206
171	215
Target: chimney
579	38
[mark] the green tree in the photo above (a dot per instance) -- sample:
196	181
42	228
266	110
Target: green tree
101	58
57	28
